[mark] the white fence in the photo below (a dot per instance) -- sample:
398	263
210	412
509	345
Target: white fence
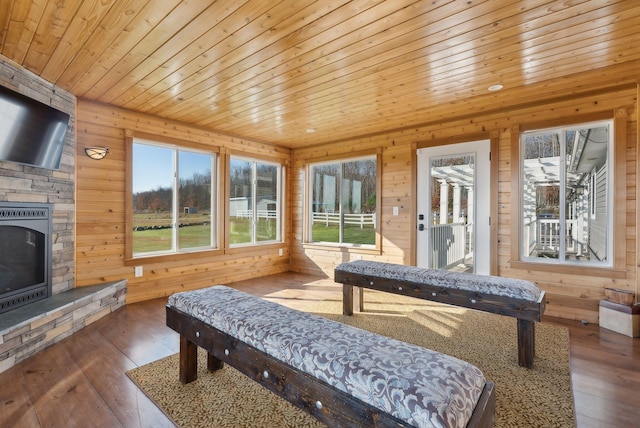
261	213
334	218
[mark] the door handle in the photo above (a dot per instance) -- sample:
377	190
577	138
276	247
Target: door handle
421	227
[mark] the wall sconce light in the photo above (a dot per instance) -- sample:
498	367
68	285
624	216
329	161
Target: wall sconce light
96	153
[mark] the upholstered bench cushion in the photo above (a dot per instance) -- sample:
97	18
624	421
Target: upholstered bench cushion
493	285
417	385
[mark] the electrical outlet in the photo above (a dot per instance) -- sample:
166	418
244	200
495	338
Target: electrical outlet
280	252
396	211
138	271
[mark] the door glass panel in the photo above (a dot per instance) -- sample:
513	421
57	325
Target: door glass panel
451	223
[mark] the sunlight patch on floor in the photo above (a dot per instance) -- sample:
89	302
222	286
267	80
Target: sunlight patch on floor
443	320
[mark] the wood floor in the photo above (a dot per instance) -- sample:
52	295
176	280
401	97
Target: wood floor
81	381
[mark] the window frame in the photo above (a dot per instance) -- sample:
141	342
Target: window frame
376	248
177	145
563	220
281	188
617	269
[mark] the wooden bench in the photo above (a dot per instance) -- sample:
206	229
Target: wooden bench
342	375
505	296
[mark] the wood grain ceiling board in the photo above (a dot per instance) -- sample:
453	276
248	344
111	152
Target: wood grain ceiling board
275	70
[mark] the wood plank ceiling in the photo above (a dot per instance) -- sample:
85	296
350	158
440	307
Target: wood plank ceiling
304	72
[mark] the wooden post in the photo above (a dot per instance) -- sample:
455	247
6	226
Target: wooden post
347	299
360	302
526	343
213	363
188	360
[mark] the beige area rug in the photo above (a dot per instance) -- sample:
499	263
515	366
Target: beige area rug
538	397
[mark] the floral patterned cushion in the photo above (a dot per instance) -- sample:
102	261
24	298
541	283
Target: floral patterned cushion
417	385
493	285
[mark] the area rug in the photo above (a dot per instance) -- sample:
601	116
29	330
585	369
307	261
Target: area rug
538	397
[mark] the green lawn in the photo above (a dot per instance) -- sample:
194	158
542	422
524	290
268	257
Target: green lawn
146	241
240	230
151	240
195	232
353	234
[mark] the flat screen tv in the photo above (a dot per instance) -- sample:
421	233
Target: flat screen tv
31	132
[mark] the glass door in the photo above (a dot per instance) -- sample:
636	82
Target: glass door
454	207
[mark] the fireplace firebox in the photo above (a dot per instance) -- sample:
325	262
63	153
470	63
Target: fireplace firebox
25	253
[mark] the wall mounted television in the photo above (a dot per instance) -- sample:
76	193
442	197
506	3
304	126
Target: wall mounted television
31	132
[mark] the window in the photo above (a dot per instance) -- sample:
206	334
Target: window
255	194
343	201
173	194
566	188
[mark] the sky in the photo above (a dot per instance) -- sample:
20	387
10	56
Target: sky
153	166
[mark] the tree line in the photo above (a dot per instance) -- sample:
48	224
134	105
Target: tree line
193	192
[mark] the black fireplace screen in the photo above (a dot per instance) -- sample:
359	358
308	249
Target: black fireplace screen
25	254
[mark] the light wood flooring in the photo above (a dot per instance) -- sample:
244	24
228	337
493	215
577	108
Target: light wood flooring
81	381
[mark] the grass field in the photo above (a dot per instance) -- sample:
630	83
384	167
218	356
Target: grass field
146	241
192	234
198	235
353	234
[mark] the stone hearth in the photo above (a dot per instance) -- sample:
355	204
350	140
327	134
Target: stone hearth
31	328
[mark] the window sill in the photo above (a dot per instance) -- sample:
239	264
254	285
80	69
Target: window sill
251	248
342	248
157	258
601	272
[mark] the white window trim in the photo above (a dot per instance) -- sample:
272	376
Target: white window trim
175	202
280	202
610	188
309	206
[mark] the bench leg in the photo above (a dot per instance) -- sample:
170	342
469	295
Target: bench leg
213	363
348	302
526	343
360	304
188	360
347	299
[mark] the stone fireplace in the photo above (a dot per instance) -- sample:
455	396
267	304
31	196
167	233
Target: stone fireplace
25	254
30	185
41	303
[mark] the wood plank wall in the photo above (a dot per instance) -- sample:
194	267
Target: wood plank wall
100	214
101	192
571	295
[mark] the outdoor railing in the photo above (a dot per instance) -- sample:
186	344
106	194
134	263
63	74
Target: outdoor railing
544	235
449	244
334	218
